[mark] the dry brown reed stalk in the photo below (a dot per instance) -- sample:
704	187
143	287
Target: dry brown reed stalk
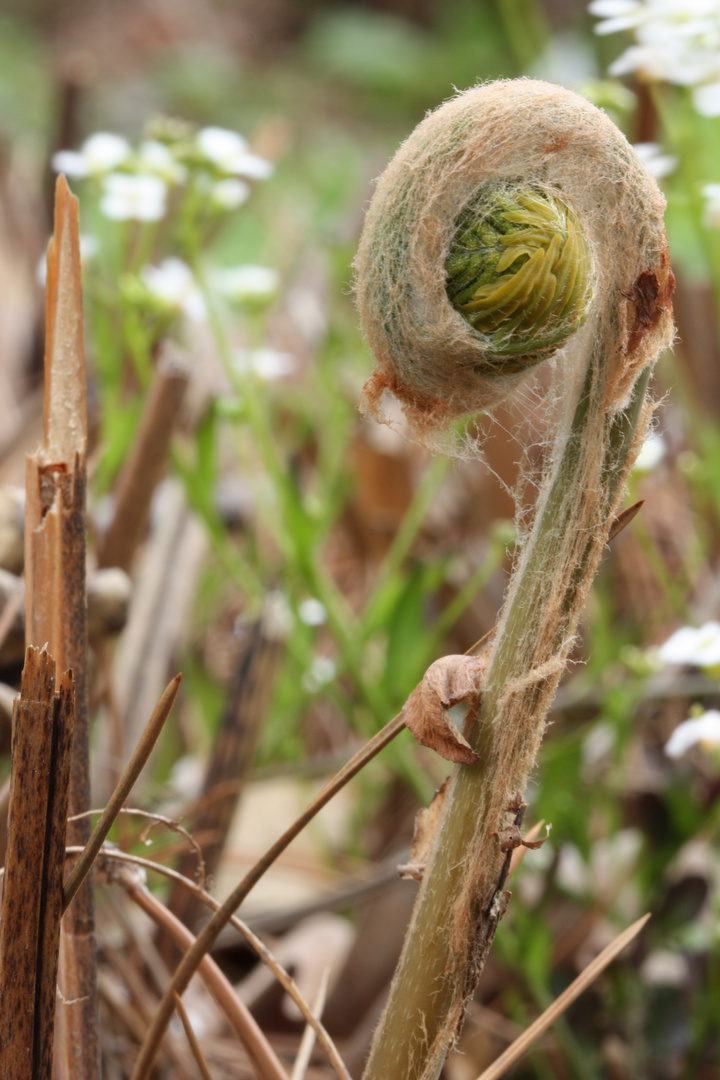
261	1053
55	603
531	1034
515	144
147	460
304	1054
231	759
125	785
32	893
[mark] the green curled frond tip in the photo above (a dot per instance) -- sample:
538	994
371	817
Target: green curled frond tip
519	271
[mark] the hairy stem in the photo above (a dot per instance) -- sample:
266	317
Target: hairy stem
458	909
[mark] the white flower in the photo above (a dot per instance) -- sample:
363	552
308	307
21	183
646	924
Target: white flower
156	157
99	154
277	616
133	198
703	730
655	18
676	40
711	194
173	282
88	250
229	194
665	968
322	671
246	283
312	612
266	364
229	153
654	160
220	145
689	645
653	450
707	99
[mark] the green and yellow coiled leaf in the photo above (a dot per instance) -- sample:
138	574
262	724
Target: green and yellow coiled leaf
519	270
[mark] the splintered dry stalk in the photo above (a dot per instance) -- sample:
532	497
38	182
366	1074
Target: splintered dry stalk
55	605
515	217
209	933
124	787
147	461
523	1043
247	1030
32	895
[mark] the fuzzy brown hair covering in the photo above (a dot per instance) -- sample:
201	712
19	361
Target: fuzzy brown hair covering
427	354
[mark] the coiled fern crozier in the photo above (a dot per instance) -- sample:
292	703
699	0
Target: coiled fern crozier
515	226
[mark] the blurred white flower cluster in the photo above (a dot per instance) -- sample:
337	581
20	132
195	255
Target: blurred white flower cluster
135	183
174	285
676	41
189	180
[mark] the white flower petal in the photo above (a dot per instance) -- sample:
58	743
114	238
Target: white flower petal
611	8
128	197
654	160
220	145
173	282
158	158
652	452
249	282
707	99
322	671
703	729
267	364
312	612
229	194
699	647
104	151
252	166
70	163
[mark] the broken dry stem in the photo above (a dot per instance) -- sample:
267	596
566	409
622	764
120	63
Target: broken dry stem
56	602
263	1056
32	897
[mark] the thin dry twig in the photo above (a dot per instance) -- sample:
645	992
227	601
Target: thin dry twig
241	1020
169	823
208	935
192	1039
134	767
558	1007
286	981
307	1042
